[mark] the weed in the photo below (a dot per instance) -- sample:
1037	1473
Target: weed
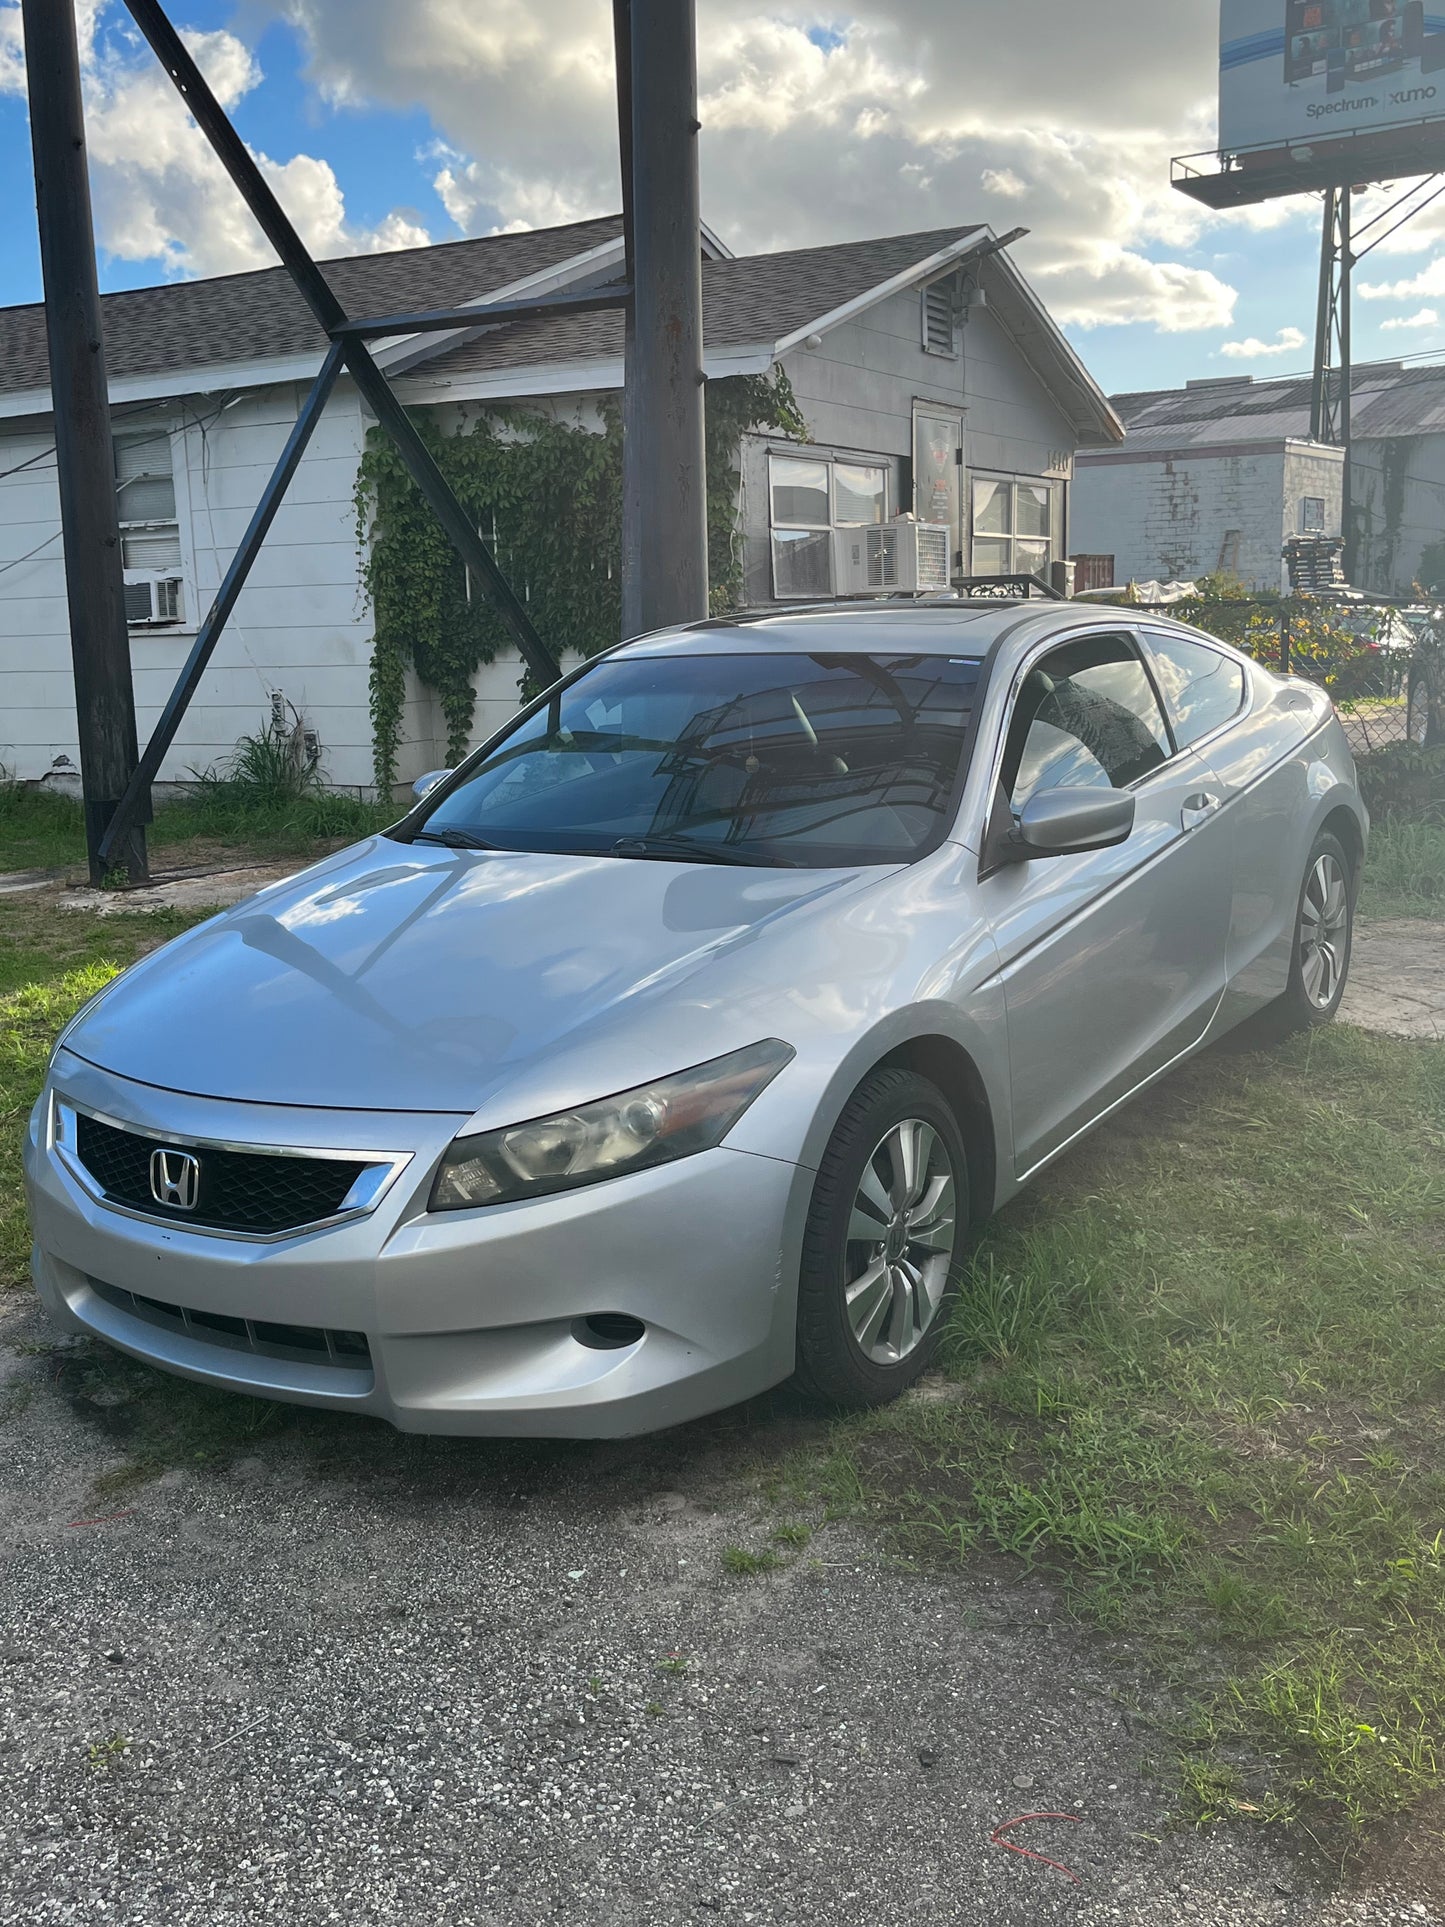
108	1752
739	1561
654	1709
673	1663
793	1535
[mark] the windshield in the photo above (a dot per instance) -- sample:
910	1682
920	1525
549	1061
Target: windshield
807	759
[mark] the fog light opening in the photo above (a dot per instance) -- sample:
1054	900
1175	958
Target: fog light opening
608	1331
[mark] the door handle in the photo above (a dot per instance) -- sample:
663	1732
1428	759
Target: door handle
1197	808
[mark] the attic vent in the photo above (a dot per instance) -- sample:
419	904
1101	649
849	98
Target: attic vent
940	319
1223	381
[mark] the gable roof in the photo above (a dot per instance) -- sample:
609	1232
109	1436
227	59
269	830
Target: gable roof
238	329
752	300
1388	399
259	316
757	307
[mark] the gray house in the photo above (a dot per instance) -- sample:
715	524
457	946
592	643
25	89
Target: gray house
933	384
1215	475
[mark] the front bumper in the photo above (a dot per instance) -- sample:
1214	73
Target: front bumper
471	1318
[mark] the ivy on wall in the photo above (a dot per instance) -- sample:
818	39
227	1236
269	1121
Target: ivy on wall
547	497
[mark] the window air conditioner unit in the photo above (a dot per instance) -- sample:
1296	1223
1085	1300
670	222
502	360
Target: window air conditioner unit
154	599
892	558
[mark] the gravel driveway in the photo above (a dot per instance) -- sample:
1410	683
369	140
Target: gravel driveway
356	1677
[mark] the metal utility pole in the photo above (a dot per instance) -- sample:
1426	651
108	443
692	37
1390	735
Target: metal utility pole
664	472
1330	394
94	582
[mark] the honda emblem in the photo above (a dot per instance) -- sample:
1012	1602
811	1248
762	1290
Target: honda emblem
175	1179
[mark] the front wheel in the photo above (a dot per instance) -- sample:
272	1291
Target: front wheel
883	1242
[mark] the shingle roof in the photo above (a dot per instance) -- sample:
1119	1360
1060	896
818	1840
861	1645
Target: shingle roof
1389	399
750	299
249	317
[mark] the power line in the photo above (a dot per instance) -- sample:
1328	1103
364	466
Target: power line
5	567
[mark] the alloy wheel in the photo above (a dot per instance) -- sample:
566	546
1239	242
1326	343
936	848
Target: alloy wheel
1323	930
900	1240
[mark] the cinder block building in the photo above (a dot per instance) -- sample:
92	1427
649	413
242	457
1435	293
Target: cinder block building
1217	474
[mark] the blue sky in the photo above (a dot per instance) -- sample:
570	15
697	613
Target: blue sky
815	128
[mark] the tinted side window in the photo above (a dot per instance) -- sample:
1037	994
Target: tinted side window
1086	716
1202	688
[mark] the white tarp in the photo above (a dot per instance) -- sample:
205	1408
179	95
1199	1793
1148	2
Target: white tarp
1296	71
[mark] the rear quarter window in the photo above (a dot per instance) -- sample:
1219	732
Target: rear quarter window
1202	688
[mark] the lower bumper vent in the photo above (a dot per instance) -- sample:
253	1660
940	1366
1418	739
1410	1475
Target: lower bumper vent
264	1338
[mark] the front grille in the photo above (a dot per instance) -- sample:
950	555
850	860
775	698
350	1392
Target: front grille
238	1190
263	1337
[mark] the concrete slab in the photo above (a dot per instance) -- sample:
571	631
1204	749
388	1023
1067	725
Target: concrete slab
14	883
214	889
1397	978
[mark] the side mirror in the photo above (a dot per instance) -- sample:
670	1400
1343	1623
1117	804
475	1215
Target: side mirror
424	785
1063	822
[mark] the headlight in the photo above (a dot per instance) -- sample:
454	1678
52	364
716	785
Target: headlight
652	1124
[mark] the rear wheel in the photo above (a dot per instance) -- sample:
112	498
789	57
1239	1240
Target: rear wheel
1324	932
883	1241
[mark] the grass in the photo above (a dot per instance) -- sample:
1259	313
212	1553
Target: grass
743	1564
1198	1376
1405	873
43	831
51	961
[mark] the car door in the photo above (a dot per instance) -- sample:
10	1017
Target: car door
1249	728
1112	960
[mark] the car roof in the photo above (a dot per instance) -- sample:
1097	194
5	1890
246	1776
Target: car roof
964	627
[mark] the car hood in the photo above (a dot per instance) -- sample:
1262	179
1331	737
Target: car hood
405	977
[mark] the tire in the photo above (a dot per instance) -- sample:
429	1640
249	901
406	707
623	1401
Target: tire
860	1347
1326	905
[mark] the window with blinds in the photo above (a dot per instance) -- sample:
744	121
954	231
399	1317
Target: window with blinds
150	535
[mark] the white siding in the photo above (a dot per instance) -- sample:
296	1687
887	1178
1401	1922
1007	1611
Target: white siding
300	625
857	391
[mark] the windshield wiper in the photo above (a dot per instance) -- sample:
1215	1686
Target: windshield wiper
686	849
453	839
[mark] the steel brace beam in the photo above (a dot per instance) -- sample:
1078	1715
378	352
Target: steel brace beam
349	349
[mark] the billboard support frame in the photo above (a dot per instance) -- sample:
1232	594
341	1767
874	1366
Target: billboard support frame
1331	384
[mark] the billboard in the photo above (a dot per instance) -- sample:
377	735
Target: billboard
1301	73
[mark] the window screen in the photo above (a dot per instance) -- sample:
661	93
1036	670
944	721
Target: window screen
1013	526
809	499
150	536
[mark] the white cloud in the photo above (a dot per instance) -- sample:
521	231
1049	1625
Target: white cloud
1429	281
1286	342
1423	318
923	114
158	189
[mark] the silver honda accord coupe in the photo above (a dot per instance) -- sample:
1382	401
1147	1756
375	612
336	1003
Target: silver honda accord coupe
675	1042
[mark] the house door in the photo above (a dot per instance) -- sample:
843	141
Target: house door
937	472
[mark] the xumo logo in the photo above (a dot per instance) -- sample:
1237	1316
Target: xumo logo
175	1179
